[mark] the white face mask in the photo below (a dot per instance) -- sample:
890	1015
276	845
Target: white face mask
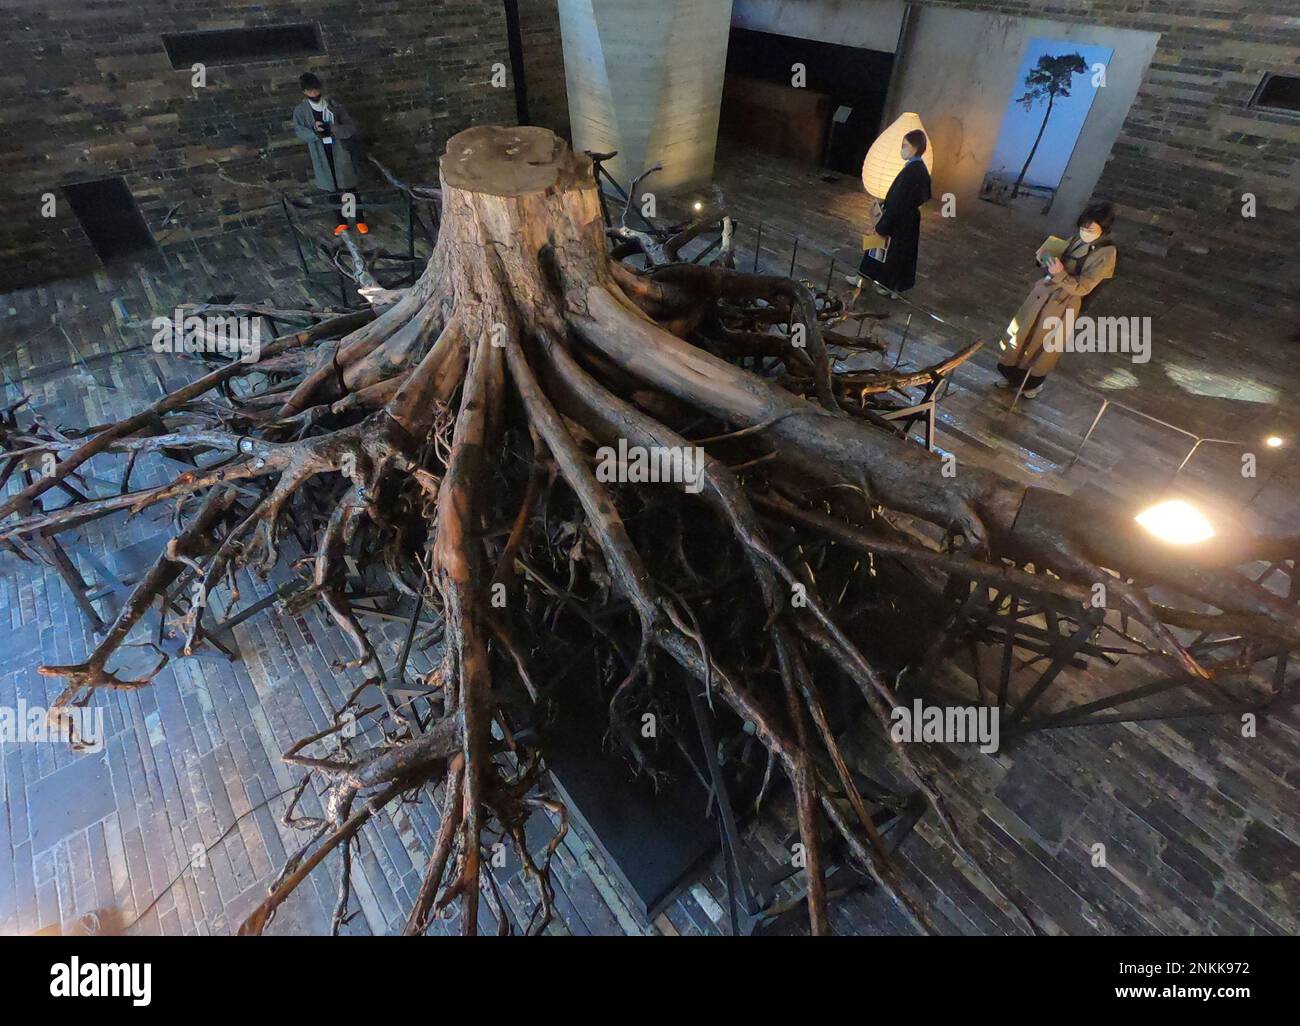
906	152
1090	234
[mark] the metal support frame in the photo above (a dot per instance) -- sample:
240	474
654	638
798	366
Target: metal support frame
752	907
894	822
410	238
405	202
602	175
398	694
83	593
1061	635
746	897
172	645
923	410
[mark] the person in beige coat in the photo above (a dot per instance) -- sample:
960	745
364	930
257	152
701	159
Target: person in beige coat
1052	304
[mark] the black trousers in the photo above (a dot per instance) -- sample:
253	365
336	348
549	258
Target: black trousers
338	194
1015	375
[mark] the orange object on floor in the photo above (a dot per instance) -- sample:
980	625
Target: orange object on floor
363	228
340	229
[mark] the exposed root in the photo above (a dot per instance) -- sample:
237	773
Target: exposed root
456	444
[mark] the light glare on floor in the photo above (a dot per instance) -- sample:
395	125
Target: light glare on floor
1176	522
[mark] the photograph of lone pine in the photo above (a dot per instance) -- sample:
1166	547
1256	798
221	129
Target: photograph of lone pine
658	468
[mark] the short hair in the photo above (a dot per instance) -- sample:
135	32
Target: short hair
1100	214
916	139
308	81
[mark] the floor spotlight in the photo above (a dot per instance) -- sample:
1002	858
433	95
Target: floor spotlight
1176	522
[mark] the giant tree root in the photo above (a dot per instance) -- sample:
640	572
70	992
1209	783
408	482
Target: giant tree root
448	439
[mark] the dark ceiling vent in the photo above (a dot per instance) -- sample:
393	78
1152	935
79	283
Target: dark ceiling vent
241	45
1278	92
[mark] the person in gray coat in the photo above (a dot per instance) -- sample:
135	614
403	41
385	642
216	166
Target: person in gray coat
325	126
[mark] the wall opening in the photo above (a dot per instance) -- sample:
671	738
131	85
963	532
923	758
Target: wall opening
829	120
110	217
241	45
1278	92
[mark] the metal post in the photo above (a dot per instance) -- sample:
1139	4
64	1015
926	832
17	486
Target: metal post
1105	403
793	253
1187	459
600	193
902	342
1020	388
293	232
726	815
1008	649
1062	652
410	235
758	244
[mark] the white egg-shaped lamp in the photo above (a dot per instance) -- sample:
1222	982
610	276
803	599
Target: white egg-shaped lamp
883	161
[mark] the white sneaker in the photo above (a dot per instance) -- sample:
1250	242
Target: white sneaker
1002	383
1032	393
854	280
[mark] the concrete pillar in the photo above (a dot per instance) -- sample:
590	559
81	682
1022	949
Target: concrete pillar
645	78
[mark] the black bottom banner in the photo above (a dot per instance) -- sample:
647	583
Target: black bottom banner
150	975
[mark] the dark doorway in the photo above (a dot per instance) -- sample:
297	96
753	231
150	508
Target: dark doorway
110	217
762	108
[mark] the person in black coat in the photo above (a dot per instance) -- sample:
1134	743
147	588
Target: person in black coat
900	222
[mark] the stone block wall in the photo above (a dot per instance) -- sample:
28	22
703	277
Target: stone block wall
1192	145
87	91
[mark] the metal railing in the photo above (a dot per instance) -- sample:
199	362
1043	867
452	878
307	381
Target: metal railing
776	251
762	247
